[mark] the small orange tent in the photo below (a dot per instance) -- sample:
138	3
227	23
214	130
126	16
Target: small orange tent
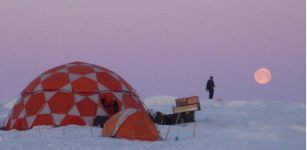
131	124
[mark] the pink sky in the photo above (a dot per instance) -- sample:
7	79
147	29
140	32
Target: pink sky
160	47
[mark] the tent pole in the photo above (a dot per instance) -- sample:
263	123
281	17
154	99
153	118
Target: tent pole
177	118
169	128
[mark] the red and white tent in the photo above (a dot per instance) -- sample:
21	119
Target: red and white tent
71	94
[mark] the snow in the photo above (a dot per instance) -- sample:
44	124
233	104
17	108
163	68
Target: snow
220	125
160	103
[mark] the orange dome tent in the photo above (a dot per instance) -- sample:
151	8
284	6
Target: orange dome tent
71	94
131	124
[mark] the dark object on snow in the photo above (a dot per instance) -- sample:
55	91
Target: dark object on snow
115	107
100	120
210	87
165	119
188	116
176	118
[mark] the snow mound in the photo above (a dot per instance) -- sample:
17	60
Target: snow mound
9	104
161	103
5	108
160	100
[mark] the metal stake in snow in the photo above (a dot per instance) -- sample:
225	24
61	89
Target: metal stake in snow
194	130
91	131
64	131
169	128
39	130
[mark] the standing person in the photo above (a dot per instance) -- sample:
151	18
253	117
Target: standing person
210	87
115	107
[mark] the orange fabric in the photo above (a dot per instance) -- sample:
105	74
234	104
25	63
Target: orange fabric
82	70
137	126
108	80
43	120
61	102
84	84
73	120
17	110
87	107
20	124
56	81
35	103
110	124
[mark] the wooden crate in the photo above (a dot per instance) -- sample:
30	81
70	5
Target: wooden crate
186	108
187	101
181	102
192	100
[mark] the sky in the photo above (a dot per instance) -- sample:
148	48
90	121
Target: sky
161	47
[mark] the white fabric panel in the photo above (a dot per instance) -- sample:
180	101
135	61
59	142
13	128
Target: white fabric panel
45	110
39	87
92	76
64	70
70	65
45	76
22	114
124	88
88	120
119	95
30	120
73	77
67	87
102	87
100	112
49	95
84	64
98	69
74	111
58	118
13	121
26	99
78	98
95	98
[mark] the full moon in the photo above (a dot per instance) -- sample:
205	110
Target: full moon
263	76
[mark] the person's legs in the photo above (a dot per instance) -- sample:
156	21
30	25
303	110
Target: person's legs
211	93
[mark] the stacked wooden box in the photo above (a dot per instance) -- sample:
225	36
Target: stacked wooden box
182	113
186	108
187	104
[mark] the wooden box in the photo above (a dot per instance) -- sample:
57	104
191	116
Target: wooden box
186	108
192	100
187	101
181	102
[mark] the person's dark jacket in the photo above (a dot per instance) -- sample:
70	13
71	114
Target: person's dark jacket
210	85
115	107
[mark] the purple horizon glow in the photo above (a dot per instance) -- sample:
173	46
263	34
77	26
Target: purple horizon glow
160	47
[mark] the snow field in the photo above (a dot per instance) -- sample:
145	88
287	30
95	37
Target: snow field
224	125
